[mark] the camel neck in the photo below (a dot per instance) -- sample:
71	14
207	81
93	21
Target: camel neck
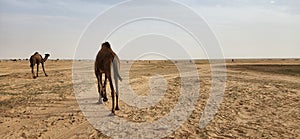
45	59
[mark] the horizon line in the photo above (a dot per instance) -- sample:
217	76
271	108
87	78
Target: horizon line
240	58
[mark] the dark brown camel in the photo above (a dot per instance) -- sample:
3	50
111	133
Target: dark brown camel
36	58
105	61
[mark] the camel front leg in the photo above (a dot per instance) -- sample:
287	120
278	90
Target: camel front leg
44	69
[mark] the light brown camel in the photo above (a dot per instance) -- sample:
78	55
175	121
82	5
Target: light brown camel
107	61
36	58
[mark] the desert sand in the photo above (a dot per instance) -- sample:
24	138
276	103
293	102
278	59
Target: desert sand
261	100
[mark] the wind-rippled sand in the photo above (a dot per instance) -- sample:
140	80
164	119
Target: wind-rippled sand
261	100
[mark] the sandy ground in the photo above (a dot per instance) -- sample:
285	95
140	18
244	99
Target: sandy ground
261	100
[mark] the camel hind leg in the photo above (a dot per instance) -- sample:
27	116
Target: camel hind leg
117	92
44	70
104	89
112	94
37	70
99	82
116	68
32	71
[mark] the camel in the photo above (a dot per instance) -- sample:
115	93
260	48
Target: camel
107	61
36	58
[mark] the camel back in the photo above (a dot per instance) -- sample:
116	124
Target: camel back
105	59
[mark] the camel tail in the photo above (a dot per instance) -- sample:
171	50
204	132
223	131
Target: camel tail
120	78
31	62
116	68
116	72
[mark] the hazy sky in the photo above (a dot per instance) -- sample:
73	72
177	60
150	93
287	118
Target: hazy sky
244	28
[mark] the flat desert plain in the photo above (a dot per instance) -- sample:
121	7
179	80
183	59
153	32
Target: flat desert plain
261	100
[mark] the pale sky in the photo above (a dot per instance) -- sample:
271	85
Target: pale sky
244	28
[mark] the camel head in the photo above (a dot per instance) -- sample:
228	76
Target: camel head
106	44
46	57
